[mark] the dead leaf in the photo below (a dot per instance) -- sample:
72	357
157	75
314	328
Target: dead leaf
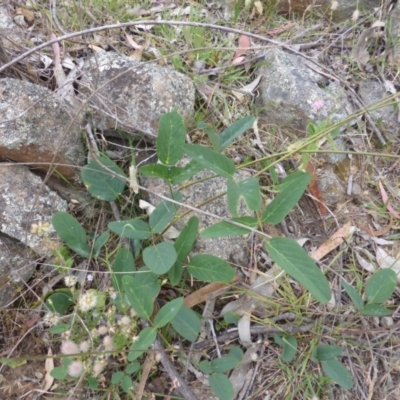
334	241
314	189
385	199
384	260
133	183
258	7
244	43
49	366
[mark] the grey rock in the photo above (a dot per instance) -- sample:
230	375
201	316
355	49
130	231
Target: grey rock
289	91
131	96
17	264
232	249
33	128
385	118
23	203
333	190
334	158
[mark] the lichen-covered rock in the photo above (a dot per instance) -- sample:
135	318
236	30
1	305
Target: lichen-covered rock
33	128
131	96
291	94
233	249
24	201
17	264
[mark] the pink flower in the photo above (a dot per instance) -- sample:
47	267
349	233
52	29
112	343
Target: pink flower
317	105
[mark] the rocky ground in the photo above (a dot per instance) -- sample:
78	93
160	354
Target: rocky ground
285	63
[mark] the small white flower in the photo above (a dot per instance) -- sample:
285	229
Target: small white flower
75	369
135	339
108	343
98	367
84	346
89	278
88	300
113	295
102	330
355	16
70	280
69	347
125	320
334	5
51	319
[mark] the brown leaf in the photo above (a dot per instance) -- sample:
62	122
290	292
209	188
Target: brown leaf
244	44
314	189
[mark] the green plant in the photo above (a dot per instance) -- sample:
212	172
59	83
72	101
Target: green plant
162	260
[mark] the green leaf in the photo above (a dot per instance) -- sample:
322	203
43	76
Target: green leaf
209	268
123	263
117	377
221	386
213	138
168	312
59	328
185	241
335	370
93	383
160	257
170	138
181	174
225	228
187	324
175	273
289	346
236	352
155	171
283	203
298	178
327	352
381	286
249	189
233	196
71	232
60	301
100	182
100	241
145	339
131	228
354	296
218	163
205	367
231	318
224	364
375	310
132	368
234	131
162	216
141	290
59	372
127	384
290	256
